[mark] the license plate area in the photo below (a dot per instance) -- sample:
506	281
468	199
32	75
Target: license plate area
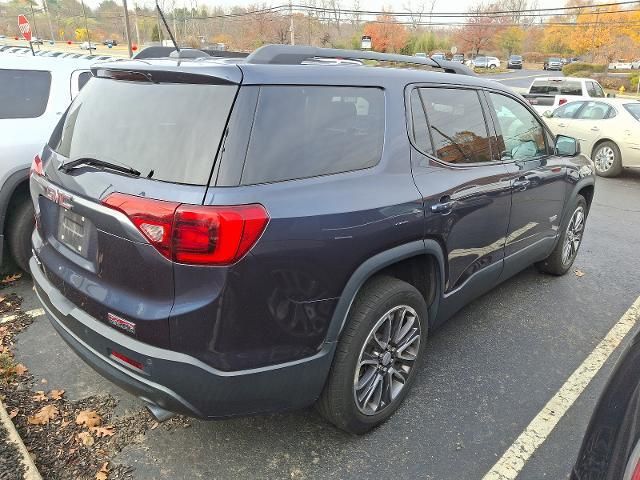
73	231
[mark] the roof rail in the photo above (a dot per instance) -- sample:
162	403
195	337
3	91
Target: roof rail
295	55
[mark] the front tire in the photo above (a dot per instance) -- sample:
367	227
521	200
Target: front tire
566	249
19	229
377	357
607	159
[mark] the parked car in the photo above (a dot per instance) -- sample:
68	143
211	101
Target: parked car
87	46
458	58
553	64
420	54
608	130
35	93
219	285
611	445
515	61
438	56
37	41
111	42
620	65
485	62
547	93
635	64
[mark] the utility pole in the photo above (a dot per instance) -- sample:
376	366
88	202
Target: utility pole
126	27
593	37
86	27
35	27
291	30
46	11
135	19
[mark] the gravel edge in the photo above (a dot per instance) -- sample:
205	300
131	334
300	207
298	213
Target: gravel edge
31	472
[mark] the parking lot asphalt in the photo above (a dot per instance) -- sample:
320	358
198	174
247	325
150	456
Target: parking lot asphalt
488	372
521	79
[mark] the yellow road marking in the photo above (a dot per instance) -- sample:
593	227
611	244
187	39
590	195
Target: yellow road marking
514	459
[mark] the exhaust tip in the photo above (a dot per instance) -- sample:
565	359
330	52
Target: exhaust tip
159	413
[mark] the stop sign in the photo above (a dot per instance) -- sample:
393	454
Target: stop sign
24	27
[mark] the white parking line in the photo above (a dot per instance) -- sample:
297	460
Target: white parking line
36	312
515	458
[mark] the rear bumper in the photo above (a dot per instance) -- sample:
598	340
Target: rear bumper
178	382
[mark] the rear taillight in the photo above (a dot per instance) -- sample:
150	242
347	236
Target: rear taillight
562	101
36	166
194	234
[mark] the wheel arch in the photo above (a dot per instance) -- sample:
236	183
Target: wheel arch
600	142
420	263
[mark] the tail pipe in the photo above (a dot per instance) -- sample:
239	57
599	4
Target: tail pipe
159	413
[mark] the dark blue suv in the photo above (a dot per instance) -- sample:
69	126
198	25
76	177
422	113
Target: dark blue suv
267	233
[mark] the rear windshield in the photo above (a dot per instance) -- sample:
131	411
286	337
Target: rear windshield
633	109
556	87
302	132
172	130
23	93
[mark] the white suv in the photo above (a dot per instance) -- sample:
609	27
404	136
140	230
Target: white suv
35	93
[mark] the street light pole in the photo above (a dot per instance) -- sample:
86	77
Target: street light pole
126	27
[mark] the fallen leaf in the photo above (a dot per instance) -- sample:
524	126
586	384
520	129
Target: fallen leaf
88	418
20	369
154	426
56	394
39	396
102	431
44	380
13	413
11	278
579	273
44	415
64	423
85	438
103	473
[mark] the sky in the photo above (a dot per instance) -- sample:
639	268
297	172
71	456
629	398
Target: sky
393	5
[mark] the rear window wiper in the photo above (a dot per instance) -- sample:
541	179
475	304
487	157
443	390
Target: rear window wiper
67	167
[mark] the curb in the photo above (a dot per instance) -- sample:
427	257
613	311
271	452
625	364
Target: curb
31	472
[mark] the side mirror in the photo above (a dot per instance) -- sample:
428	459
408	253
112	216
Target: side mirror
547	113
566	146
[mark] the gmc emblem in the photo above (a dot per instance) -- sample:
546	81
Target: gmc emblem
121	323
56	196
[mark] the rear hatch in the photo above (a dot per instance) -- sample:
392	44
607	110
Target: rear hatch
545	92
158	132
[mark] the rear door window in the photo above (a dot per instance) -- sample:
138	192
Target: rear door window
307	131
457	125
167	131
594	111
23	93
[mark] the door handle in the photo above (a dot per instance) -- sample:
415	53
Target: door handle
562	124
444	205
595	129
521	183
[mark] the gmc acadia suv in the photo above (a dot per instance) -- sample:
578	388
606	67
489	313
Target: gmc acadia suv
268	233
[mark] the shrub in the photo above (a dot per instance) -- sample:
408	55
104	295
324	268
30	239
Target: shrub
572	68
634	81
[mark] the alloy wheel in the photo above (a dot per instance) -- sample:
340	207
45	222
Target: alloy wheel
573	236
604	158
386	359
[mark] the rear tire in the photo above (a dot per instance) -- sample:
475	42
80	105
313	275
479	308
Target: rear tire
19	229
374	360
566	249
607	159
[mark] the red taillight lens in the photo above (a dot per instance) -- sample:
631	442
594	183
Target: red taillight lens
562	101
194	234
36	166
129	361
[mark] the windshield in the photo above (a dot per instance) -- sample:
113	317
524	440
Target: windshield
556	87
516	57
633	109
172	130
557	60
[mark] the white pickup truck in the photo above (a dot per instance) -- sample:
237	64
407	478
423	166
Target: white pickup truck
548	93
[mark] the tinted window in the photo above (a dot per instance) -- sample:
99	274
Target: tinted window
556	87
522	134
301	132
83	78
595	90
23	93
568	110
594	111
420	128
170	129
633	109
457	124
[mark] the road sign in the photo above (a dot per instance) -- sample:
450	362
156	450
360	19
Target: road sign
24	27
365	44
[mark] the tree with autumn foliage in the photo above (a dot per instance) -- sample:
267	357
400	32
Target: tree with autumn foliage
387	35
511	38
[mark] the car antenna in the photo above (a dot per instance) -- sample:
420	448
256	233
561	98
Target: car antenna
166	25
